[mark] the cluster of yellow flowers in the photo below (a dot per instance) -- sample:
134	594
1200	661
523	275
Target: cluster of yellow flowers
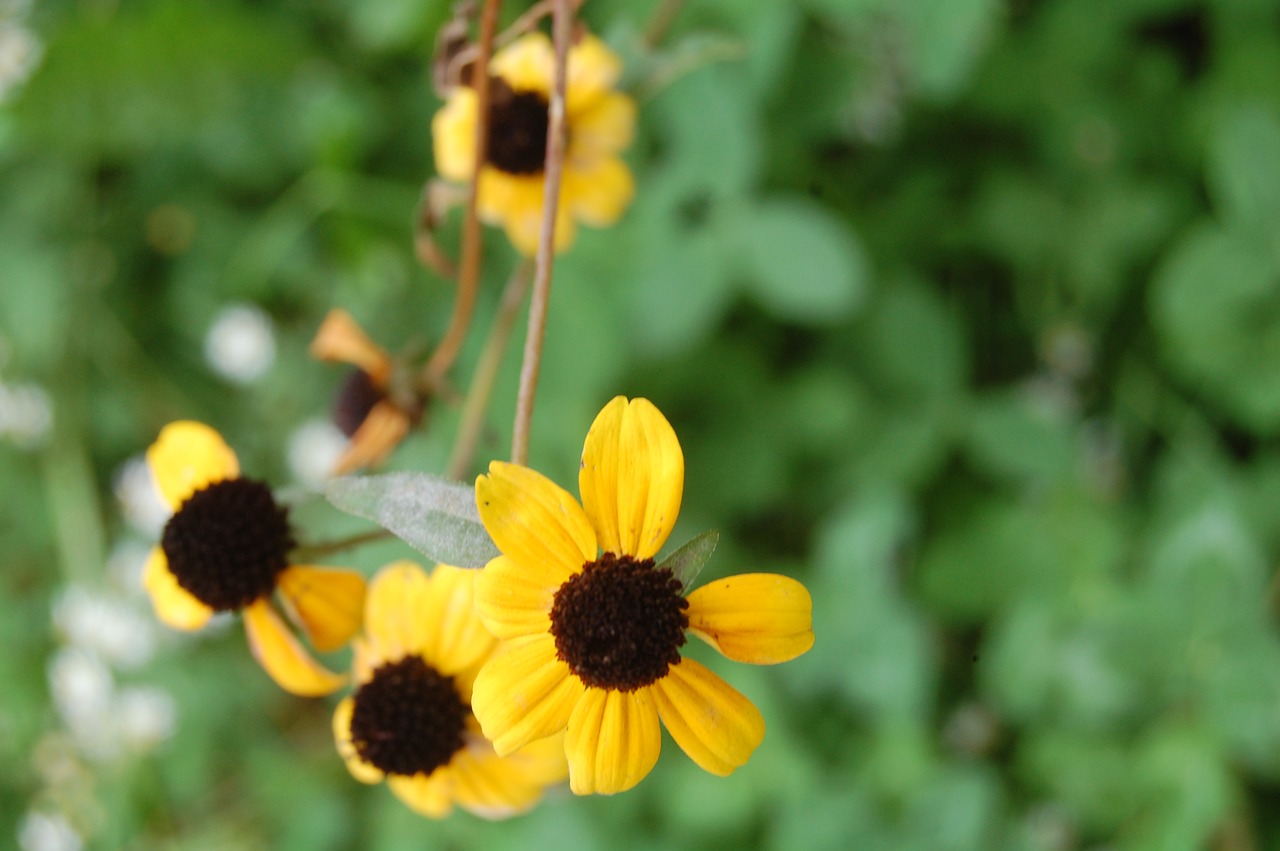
561	657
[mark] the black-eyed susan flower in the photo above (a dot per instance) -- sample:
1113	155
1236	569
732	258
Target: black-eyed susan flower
592	629
226	548
367	410
596	185
410	722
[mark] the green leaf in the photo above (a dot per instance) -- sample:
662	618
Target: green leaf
800	261
687	562
433	515
1215	303
1244	166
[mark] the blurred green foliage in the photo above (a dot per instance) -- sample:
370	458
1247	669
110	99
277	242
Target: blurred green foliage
967	314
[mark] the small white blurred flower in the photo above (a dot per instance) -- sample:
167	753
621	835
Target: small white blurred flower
140	499
314	450
125	563
146	716
25	414
241	344
105	625
20	52
48	832
82	687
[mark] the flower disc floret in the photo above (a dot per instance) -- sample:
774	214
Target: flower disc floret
619	624
227	543
517	129
408	718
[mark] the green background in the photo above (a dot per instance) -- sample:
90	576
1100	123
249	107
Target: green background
967	315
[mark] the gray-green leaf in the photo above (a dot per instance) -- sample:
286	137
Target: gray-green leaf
436	517
686	563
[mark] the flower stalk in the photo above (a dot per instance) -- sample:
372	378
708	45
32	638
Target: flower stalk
562	30
446	352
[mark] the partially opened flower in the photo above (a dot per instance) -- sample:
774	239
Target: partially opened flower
366	409
592	639
226	548
409	721
596	185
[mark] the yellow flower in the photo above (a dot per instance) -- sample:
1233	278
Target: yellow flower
409	721
596	186
367	411
225	548
592	641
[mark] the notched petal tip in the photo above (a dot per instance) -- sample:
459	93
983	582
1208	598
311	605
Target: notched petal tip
710	720
188	456
758	618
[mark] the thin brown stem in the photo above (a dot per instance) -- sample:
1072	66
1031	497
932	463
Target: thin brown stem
562	30
660	24
446	352
481	389
309	552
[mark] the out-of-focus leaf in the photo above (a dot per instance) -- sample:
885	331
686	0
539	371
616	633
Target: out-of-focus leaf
1216	304
801	262
431	514
1244	167
1012	435
687	562
947	38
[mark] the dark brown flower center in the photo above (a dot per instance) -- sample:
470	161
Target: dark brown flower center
227	543
517	129
620	623
408	719
356	398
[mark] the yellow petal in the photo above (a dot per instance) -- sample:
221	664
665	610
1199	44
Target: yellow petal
453	133
534	521
430	795
632	477
613	741
488	786
592	71
524	693
524	229
340	338
515	598
761	618
502	195
381	432
711	721
173	604
604	130
186	457
393	623
326	603
598	194
527	64
455	638
541	762
283	657
360	770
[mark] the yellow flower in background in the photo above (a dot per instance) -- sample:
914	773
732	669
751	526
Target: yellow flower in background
226	547
409	721
365	409
592	641
596	185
